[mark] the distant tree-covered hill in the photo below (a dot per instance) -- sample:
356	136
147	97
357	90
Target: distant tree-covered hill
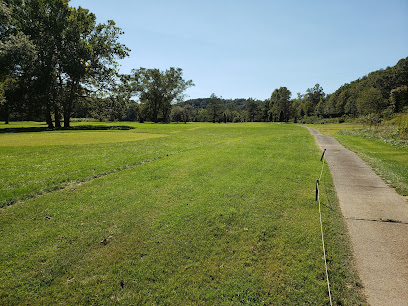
381	93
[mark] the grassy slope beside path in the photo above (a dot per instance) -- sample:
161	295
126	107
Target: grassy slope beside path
388	159
232	220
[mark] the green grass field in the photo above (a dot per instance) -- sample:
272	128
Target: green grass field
388	158
207	214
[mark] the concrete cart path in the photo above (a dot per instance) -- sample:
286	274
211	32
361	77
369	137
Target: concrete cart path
377	220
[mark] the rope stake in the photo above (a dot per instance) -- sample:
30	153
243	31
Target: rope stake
321	159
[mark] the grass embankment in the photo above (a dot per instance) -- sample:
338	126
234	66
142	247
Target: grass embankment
226	215
388	157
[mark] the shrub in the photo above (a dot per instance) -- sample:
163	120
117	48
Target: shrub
83	120
403	126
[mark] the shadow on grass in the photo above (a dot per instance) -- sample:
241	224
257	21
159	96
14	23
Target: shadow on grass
74	128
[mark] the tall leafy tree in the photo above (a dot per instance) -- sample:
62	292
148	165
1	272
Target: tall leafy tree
399	98
158	90
280	104
370	101
313	97
320	109
264	108
16	51
45	21
330	106
90	56
187	113
251	108
176	114
215	108
314	94
74	54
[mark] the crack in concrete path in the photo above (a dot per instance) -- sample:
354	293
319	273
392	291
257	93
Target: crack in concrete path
381	247
378	220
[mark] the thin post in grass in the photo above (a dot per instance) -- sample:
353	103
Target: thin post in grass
324	151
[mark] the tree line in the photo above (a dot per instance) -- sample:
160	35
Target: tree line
380	94
57	63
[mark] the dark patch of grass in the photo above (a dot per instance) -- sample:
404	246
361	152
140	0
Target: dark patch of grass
73	128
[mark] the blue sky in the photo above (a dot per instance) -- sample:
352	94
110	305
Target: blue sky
243	48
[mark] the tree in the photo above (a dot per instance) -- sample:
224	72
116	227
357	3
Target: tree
16	51
44	21
399	98
181	113
296	107
176	114
228	115
215	108
313	95
157	90
74	55
201	115
187	113
342	101
89	58
330	105
320	108
132	111
236	116
280	105
264	108
370	101
119	102
251	108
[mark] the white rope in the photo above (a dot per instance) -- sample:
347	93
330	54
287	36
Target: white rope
321	229
321	172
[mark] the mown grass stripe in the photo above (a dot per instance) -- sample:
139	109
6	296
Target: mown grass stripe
75	184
